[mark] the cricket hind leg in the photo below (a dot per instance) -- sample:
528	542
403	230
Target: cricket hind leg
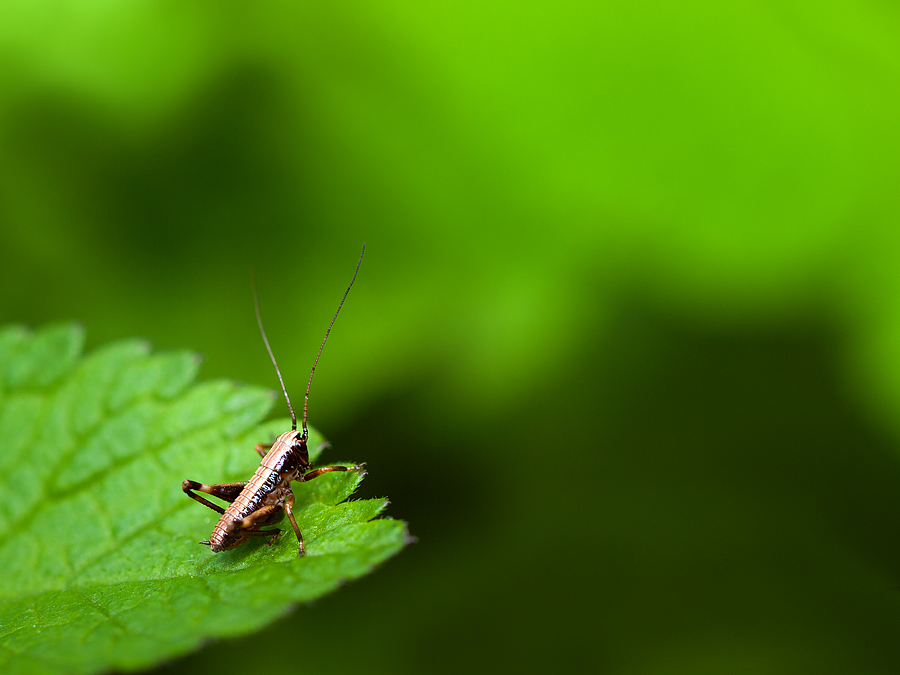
226	491
262	533
267	515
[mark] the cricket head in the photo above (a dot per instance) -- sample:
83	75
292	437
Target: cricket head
289	456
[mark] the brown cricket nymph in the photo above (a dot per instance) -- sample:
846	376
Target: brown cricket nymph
265	498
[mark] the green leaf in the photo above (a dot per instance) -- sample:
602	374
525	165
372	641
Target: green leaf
101	567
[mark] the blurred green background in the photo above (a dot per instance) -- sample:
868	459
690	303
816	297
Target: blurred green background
625	346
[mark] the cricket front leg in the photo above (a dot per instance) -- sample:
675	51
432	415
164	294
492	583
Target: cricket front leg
315	473
226	491
289	507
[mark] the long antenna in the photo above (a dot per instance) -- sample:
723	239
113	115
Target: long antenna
316	362
272	356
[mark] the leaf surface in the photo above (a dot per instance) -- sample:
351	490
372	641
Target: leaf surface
101	567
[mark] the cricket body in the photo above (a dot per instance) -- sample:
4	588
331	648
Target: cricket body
267	496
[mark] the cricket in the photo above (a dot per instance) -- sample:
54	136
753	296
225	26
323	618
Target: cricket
262	501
